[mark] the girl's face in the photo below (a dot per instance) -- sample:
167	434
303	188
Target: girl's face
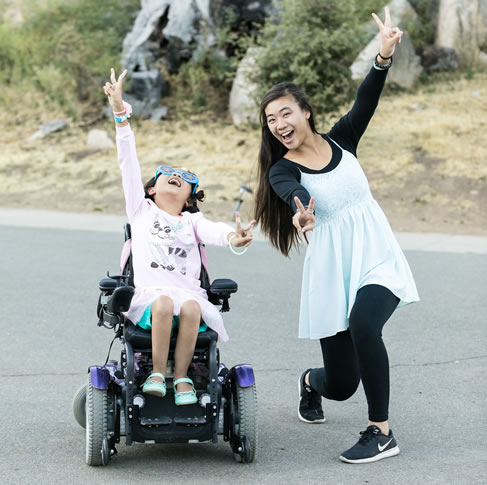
287	121
171	186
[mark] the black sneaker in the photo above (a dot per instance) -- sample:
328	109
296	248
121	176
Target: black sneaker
309	407
372	446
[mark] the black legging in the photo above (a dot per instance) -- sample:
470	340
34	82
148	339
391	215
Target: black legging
359	353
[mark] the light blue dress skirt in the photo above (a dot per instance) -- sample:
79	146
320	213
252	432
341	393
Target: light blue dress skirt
352	245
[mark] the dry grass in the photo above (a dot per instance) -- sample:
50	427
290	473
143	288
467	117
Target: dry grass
424	153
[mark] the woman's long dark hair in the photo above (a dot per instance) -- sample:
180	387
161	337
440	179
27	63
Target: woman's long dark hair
192	201
271	212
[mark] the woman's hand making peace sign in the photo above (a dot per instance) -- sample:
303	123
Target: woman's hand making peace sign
304	219
389	36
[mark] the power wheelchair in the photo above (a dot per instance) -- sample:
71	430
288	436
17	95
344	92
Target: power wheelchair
112	405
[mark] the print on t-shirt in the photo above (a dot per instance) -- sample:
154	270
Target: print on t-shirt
170	246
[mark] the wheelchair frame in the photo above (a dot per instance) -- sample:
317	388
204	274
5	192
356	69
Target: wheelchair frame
112	405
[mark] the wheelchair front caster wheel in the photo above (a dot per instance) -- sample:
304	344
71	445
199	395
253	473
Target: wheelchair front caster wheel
79	406
105	452
246	452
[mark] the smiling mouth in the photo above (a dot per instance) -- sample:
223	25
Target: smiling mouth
174	181
286	136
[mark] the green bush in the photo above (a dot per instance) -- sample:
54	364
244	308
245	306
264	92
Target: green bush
203	84
423	33
313	43
64	50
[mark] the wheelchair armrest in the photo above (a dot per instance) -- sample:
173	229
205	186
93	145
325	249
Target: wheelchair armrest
107	284
223	288
120	300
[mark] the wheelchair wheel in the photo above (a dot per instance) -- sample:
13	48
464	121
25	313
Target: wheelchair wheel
245	422
79	406
96	423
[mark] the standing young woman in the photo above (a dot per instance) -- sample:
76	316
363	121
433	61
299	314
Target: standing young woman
355	274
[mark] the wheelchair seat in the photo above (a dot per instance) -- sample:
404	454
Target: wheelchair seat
141	339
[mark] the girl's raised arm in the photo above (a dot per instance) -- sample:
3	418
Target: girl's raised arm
127	154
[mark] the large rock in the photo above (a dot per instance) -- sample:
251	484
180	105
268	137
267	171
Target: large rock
407	65
179	30
462	25
137	55
406	69
439	59
243	106
147	86
99	140
47	129
163	27
12	13
401	13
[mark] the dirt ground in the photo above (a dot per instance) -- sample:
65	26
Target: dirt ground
424	154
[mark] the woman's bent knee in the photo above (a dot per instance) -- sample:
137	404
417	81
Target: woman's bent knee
342	394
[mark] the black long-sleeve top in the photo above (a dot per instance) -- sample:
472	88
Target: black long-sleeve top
285	175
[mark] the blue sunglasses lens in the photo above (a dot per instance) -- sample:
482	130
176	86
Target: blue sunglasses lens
189	177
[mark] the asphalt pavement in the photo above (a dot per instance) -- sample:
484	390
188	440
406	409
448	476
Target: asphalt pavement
437	352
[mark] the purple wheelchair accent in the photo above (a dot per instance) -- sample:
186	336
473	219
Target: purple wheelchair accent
243	374
100	377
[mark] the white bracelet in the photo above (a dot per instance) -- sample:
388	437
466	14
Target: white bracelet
233	250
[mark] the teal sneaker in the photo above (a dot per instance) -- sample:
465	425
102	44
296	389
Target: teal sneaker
156	388
187	397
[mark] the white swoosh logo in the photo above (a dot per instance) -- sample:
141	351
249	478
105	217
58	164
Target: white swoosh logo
382	448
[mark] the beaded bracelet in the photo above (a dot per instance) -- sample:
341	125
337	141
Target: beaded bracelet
233	250
384	67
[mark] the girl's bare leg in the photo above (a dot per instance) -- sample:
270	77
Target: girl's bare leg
189	324
162	314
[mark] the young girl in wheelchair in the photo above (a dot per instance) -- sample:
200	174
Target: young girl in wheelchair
166	227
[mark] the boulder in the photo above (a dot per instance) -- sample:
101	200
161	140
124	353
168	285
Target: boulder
136	54
99	140
407	65
159	113
243	106
147	86
48	128
462	25
12	13
401	13
406	69
439	59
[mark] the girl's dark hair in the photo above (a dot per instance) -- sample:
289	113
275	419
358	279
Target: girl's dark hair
192	201
271	212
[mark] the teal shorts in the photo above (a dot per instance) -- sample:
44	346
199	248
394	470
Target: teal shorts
146	321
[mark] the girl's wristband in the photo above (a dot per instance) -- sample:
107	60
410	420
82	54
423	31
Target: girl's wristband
233	249
120	119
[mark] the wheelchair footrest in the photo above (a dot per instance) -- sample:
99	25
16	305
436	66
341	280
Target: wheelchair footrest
190	421
155	421
179	420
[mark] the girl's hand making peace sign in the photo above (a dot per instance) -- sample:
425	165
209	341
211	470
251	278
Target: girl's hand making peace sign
113	90
304	219
389	36
242	237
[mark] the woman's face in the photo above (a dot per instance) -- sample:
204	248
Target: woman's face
287	121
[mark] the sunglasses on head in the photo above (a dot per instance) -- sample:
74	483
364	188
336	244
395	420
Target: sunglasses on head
189	177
